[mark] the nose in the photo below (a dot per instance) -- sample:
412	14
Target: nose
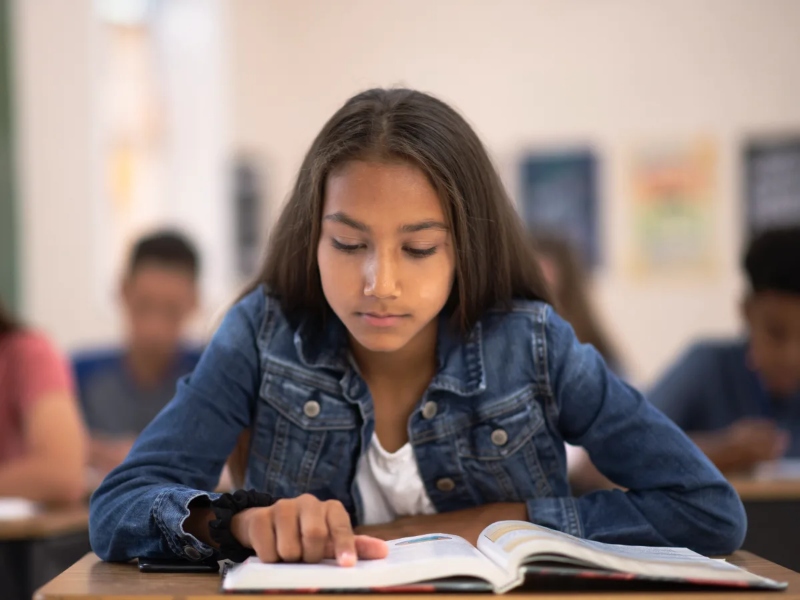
381	276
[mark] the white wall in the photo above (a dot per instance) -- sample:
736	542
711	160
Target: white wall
53	69
71	253
527	73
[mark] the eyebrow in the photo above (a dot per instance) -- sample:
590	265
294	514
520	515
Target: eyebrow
423	225
340	217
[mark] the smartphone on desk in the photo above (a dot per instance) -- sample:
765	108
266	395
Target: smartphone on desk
176	565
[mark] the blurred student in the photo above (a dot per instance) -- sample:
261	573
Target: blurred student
568	280
123	389
739	399
42	440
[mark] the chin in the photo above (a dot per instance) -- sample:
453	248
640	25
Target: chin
381	342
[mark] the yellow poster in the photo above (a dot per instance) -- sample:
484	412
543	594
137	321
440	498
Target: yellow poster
673	190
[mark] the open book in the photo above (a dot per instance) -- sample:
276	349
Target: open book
507	552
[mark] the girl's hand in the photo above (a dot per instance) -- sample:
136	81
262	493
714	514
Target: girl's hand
304	529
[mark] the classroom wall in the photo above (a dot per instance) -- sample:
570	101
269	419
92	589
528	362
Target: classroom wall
526	73
532	73
70	257
55	219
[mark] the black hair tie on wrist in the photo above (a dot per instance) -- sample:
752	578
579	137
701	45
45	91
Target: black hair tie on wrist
225	507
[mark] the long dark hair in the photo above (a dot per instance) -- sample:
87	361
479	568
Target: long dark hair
571	294
495	261
7	323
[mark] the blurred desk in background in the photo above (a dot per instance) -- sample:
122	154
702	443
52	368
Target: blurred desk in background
47	523
37	545
771	497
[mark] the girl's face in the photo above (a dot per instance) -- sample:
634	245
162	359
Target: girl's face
385	253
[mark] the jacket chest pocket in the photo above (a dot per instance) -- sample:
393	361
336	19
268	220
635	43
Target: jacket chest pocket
305	440
507	452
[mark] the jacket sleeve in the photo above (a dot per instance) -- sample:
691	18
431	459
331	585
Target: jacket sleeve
675	496
139	509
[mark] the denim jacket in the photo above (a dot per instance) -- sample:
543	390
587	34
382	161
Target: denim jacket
490	428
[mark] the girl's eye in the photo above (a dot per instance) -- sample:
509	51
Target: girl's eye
421	253
349	248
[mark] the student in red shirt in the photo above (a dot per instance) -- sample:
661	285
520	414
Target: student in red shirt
42	440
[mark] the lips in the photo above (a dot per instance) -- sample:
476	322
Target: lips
375	319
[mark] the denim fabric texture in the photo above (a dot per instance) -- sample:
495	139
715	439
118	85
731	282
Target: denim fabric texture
490	428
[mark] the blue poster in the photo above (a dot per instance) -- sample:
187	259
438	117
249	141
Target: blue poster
559	195
772	174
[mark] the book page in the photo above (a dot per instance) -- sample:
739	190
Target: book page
410	560
520	543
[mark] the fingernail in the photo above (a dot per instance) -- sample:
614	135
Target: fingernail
347	558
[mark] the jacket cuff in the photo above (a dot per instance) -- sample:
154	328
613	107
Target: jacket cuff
560	514
170	510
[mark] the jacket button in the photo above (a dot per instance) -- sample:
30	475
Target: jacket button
311	408
429	410
445	484
192	553
499	437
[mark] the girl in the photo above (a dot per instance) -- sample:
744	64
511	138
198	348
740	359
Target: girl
42	440
401	372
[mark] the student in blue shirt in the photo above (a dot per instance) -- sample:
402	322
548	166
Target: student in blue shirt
740	399
123	389
401	372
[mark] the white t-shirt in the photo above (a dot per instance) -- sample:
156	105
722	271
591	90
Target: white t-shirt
390	484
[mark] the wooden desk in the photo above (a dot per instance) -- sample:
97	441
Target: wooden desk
92	579
757	490
36	549
60	521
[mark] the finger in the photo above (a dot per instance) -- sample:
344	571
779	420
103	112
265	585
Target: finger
755	429
341	533
370	548
287	530
766	449
761	428
262	537
766	428
760	447
313	529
